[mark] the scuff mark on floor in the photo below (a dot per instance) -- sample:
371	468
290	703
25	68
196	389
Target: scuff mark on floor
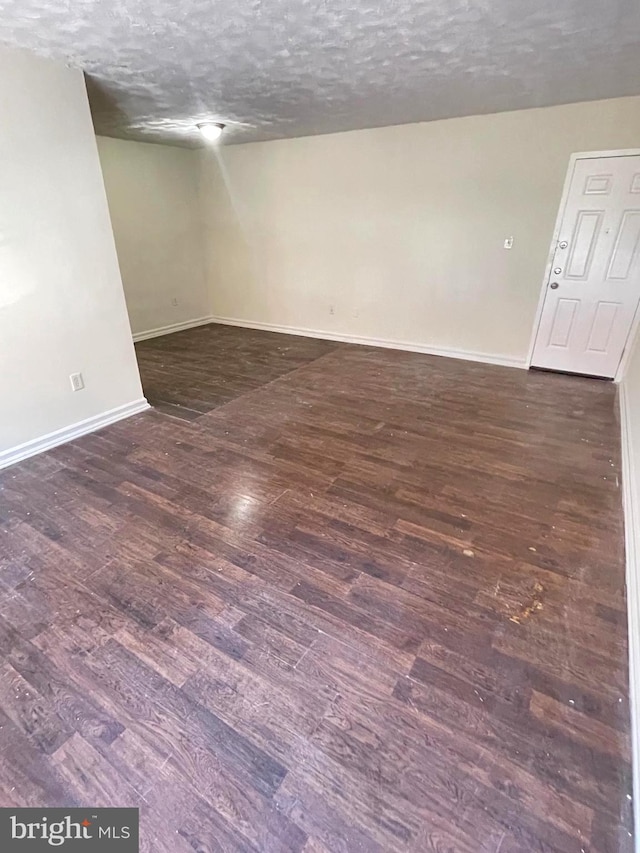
533	606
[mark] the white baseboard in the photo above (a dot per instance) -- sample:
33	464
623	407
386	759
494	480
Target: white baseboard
631	475
487	358
61	436
174	327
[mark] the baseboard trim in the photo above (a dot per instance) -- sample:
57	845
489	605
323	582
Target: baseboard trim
486	358
174	327
62	436
632	553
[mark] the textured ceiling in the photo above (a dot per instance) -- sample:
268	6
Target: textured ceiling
296	67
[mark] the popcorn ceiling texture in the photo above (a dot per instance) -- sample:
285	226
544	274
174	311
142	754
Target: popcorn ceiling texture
299	67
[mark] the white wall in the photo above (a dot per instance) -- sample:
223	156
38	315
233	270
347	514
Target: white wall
630	417
154	203
399	230
62	308
631	389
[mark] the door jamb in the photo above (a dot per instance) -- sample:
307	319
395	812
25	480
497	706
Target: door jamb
582	155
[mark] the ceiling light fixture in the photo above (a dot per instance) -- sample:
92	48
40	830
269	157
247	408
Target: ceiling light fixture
211	130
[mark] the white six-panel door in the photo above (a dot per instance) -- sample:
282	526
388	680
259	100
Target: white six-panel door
594	285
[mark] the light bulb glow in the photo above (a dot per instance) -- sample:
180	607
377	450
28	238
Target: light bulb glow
211	131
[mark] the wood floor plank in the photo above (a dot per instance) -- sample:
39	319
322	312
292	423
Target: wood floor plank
325	598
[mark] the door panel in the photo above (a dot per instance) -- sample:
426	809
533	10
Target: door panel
598	185
602	326
625	251
594	285
583	243
560	332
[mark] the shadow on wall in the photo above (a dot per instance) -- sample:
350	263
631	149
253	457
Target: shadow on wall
103	104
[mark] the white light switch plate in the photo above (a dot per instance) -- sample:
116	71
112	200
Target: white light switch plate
77	382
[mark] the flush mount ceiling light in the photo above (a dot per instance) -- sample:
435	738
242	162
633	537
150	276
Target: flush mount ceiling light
211	130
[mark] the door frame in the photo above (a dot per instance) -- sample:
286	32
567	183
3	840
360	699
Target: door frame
582	155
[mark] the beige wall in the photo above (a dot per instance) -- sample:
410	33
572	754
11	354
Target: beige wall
154	204
62	308
397	233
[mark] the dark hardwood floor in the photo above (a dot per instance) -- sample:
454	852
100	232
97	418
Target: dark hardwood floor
187	375
328	599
